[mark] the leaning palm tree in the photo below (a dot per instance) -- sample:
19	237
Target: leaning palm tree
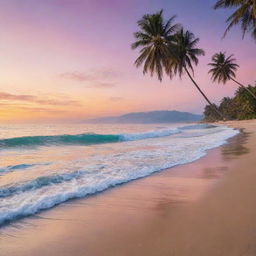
184	53
165	47
245	14
224	68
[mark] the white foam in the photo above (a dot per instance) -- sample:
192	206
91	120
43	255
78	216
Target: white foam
110	170
148	135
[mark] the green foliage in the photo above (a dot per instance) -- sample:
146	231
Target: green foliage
210	115
246	104
228	108
241	107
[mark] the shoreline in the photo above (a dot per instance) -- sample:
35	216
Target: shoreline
21	216
152	206
143	171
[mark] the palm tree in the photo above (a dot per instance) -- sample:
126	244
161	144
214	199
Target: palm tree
154	38
224	68
228	107
244	14
184	53
166	47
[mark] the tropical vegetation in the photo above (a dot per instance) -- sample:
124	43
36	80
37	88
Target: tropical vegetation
242	106
167	47
224	68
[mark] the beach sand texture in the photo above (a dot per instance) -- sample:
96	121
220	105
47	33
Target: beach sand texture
205	208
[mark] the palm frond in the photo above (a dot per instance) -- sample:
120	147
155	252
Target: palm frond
154	37
245	15
185	53
223	68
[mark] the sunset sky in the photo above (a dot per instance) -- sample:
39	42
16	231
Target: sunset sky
71	59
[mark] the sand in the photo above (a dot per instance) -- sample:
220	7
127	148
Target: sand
205	208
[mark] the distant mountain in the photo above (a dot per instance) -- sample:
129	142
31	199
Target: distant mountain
150	117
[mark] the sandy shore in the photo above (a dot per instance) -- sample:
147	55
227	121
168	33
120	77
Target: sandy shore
205	208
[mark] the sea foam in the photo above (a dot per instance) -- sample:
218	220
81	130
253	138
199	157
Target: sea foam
100	172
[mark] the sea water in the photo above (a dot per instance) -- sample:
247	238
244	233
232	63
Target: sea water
42	166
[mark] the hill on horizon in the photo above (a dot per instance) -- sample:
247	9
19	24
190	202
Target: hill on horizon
164	116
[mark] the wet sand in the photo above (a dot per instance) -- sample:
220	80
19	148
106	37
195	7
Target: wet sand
205	208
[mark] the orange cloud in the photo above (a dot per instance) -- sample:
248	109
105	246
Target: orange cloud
35	99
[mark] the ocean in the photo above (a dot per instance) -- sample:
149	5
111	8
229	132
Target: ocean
45	165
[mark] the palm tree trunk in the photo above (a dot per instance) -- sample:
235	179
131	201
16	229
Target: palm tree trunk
205	97
252	94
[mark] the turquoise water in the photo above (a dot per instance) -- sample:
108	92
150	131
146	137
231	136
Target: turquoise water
45	165
80	139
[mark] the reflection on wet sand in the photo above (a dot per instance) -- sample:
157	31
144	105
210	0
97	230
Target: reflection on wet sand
143	205
214	173
236	146
228	152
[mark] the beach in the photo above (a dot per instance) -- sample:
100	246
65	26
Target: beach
206	207
128	128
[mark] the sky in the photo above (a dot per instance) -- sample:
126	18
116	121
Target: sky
69	60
